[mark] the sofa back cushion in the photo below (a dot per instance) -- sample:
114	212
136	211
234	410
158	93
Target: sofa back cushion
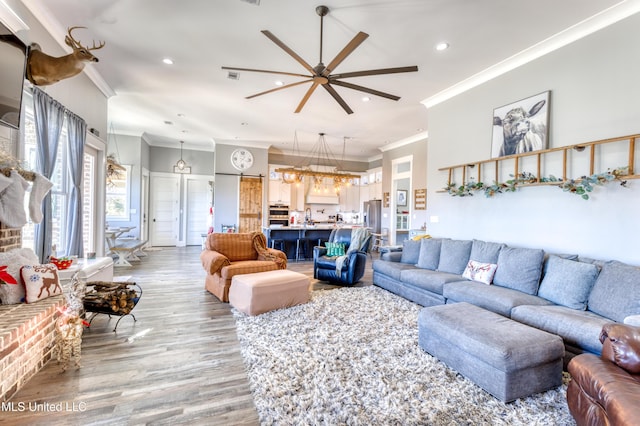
567	282
235	247
410	252
454	256
616	293
519	269
429	253
485	252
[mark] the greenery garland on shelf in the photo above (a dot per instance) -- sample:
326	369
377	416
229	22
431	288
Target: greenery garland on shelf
581	187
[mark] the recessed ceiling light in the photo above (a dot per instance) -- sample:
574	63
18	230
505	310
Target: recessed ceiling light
167	122
442	46
279	83
181	114
244	123
366	99
168	61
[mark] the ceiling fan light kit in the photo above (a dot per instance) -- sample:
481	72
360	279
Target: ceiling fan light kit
321	75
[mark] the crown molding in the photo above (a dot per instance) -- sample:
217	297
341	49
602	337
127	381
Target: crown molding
406	141
580	30
11	19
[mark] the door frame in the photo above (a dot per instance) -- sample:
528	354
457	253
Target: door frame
154	175
185	202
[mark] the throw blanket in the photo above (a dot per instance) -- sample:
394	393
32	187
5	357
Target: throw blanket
260	245
358	239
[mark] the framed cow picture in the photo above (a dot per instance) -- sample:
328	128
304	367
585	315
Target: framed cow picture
521	126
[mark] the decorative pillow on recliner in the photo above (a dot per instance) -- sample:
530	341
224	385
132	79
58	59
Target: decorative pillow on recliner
40	282
335	249
481	272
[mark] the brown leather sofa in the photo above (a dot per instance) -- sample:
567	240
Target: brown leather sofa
226	255
605	390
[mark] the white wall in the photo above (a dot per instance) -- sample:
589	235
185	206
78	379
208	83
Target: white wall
595	94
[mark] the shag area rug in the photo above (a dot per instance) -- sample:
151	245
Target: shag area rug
351	357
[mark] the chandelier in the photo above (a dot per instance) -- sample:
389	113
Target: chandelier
327	167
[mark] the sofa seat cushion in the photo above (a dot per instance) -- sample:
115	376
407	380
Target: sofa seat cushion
496	299
580	329
247	267
428	280
391	269
616	293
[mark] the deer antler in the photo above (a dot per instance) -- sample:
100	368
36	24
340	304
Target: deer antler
75	44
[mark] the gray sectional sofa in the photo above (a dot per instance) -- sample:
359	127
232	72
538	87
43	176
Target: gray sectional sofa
565	295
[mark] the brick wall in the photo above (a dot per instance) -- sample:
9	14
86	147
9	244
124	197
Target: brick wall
27	336
27	331
10	238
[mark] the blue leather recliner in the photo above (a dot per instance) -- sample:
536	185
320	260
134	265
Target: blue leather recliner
324	267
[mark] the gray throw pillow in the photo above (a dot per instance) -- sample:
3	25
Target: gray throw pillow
568	282
454	256
616	293
519	269
429	253
485	252
410	252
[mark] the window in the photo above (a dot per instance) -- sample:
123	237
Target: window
118	186
61	187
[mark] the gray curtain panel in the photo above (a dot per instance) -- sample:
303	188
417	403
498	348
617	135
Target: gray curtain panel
76	129
48	115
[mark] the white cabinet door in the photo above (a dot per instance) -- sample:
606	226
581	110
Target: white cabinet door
279	192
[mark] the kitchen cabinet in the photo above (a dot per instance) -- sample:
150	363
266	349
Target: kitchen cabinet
279	192
350	199
402	221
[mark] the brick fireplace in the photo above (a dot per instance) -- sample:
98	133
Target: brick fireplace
27	332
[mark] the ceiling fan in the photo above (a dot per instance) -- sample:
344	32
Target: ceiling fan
321	75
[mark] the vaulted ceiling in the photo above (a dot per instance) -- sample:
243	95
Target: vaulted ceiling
195	100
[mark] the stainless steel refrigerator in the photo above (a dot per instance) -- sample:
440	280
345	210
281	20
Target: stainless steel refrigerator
372	214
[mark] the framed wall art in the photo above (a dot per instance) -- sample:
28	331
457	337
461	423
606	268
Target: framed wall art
401	197
521	126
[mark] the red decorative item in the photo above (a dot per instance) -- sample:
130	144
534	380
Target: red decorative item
61	263
5	277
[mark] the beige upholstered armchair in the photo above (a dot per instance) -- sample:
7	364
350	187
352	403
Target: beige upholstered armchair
226	255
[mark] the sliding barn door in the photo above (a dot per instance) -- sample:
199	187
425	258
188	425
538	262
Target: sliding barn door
250	204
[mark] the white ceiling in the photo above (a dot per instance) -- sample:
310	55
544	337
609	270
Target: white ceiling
201	36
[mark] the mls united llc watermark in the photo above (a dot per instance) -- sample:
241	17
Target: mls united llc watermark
49	407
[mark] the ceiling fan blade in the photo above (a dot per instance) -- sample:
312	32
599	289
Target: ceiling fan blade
376	72
306	96
350	47
337	97
286	48
279	88
265	71
365	89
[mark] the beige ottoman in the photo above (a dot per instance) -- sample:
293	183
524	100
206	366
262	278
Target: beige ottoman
255	294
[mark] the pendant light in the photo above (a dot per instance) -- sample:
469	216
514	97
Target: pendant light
181	165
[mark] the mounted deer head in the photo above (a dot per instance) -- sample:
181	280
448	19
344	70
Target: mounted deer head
43	69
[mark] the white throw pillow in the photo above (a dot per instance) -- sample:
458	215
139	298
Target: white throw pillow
481	272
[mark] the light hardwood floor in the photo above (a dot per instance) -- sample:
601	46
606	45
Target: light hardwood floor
180	363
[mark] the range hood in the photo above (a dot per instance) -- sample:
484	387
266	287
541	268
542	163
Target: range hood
322	199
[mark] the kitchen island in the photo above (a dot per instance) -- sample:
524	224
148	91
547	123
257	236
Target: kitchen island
314	235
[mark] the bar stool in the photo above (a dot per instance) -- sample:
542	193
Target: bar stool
301	246
278	244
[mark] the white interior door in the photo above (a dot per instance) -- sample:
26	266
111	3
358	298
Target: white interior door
198	201
165	210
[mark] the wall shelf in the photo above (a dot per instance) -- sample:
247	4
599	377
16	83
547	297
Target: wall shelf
571	157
